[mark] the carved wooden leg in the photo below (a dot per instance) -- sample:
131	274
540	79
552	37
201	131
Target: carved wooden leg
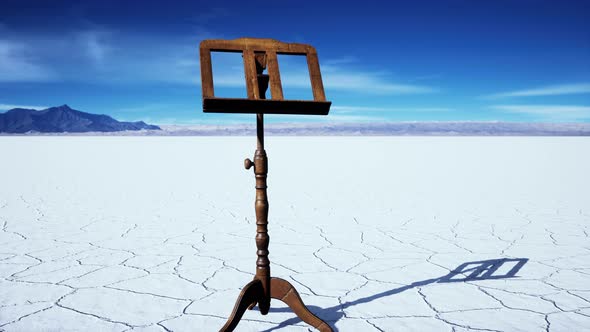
282	290
251	293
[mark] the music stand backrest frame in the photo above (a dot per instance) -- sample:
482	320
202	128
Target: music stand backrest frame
250	48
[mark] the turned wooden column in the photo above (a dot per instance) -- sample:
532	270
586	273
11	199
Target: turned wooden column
261	206
261	203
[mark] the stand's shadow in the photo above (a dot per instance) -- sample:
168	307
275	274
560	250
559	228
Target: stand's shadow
469	271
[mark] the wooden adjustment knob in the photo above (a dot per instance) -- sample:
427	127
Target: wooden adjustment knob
248	163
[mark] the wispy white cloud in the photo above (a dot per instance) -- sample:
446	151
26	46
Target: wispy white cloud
549	112
350	109
370	83
49	57
344	74
5	107
104	55
17	64
337	75
95	45
551	90
98	54
336	78
427	77
347	59
147	108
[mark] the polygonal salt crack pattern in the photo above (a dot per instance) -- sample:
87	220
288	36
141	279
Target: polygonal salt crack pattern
157	234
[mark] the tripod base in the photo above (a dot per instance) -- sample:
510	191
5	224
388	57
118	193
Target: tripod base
281	290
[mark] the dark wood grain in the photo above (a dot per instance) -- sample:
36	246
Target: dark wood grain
206	74
250	75
315	76
256	44
257	54
282	290
250	294
276	88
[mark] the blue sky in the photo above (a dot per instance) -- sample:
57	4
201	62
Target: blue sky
521	60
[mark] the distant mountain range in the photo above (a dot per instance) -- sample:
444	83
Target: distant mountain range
63	119
386	129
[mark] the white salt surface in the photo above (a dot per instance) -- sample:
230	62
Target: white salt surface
157	233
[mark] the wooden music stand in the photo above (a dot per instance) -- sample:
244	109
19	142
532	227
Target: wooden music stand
259	54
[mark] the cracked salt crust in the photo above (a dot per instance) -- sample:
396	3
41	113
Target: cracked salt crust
109	235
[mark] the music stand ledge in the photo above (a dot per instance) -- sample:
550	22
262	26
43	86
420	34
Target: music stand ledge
260	54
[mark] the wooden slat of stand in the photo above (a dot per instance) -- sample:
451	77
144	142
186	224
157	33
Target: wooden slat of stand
251	77
276	88
256	44
206	74
315	77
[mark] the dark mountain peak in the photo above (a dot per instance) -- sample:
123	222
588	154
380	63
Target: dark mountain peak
59	119
64	107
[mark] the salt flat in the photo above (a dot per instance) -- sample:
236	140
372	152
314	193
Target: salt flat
377	233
